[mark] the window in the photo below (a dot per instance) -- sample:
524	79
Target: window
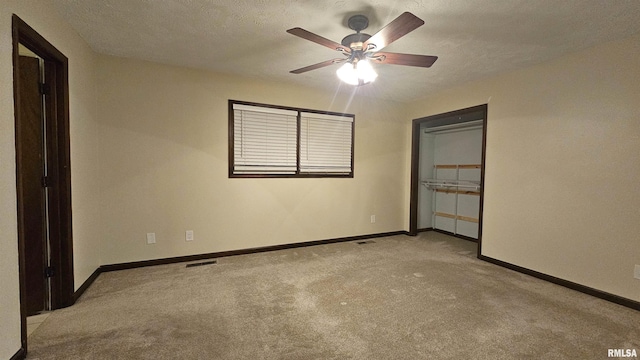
275	141
325	143
264	140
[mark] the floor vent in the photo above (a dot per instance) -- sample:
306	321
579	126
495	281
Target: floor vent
365	242
202	263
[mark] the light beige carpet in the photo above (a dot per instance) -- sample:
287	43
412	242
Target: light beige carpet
401	297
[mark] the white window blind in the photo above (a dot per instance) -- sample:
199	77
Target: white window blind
325	143
264	140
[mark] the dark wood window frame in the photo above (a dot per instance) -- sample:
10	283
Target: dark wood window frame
298	173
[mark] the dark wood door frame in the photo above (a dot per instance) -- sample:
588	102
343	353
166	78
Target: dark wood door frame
442	119
58	159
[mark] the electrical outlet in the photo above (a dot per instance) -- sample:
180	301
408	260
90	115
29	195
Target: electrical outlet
636	272
189	235
373	219
151	238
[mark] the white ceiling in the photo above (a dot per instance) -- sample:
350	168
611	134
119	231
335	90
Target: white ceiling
472	38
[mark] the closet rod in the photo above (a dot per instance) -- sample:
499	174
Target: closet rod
465	166
461	192
451	183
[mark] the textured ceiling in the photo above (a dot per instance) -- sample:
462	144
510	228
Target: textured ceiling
472	38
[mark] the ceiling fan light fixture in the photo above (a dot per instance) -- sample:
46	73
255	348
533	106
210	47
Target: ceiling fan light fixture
366	72
357	73
348	73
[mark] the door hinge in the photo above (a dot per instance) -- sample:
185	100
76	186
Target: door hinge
45	89
46	181
49	271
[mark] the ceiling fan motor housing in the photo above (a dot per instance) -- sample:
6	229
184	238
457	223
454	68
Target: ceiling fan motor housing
357	23
356	40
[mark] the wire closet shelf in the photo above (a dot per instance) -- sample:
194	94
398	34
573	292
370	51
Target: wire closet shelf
453	184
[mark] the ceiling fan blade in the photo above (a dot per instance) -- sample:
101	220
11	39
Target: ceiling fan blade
317	66
401	26
404	59
318	39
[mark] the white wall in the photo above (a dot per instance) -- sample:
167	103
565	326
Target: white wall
462	147
164	167
563	139
459	147
42	17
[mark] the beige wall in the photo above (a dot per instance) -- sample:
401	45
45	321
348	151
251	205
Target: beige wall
9	296
563	140
164	167
42	17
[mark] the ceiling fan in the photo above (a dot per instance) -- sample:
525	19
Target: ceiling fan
361	49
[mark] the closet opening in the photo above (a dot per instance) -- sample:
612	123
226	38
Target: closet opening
447	173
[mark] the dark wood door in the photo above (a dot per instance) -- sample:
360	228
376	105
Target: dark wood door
31	162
